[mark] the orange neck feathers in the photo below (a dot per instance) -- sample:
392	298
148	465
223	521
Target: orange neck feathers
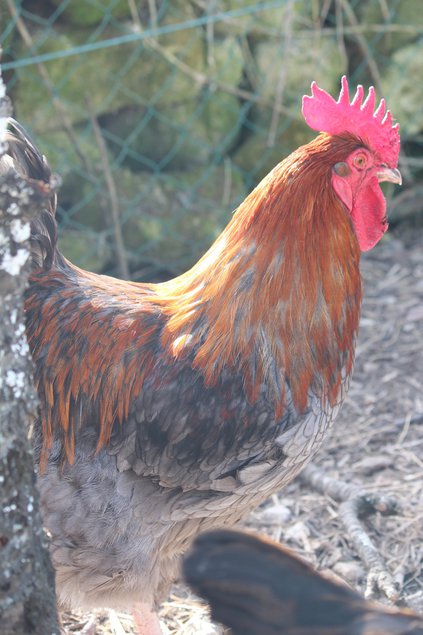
275	300
278	294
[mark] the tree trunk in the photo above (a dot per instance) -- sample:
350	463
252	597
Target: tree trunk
27	595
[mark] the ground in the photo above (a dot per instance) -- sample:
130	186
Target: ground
377	443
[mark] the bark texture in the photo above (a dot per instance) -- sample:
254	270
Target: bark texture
27	596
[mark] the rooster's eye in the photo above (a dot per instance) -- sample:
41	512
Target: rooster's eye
360	161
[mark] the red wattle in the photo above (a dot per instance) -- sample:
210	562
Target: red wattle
369	215
367	208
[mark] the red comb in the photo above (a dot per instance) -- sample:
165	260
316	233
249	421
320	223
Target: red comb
359	118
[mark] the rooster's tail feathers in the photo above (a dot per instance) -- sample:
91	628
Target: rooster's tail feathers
25	159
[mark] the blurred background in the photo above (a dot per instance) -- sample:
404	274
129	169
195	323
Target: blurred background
161	115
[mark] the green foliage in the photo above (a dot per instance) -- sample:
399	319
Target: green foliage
91	12
406	16
192	113
405	90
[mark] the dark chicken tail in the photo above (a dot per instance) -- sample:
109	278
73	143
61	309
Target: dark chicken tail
257	587
23	158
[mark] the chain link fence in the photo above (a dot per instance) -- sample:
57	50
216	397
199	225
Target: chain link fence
161	115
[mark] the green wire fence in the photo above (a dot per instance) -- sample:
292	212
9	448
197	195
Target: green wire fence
161	115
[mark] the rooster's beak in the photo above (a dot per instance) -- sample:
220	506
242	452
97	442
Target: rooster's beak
389	174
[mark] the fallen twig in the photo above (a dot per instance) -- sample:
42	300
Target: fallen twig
414	420
115	623
90	628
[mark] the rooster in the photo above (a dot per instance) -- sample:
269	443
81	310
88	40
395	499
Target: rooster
167	409
257	587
